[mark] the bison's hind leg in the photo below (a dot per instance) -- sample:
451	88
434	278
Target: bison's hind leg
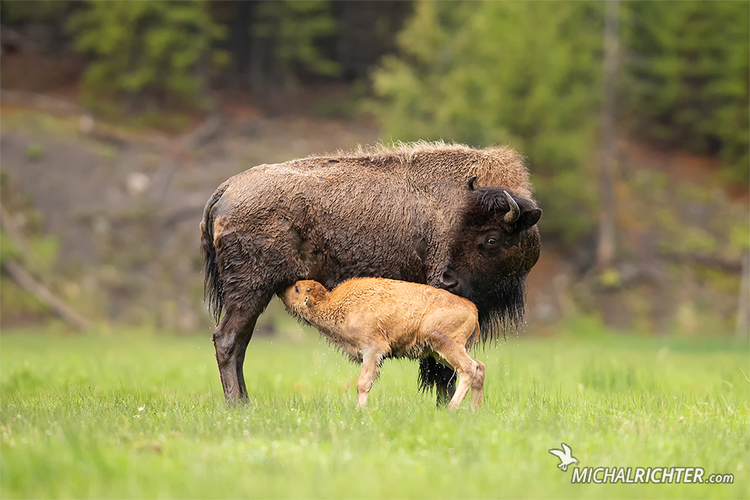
231	338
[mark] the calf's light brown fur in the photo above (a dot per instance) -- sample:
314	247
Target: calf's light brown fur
371	319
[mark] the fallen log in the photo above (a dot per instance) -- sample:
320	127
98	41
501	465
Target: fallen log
24	279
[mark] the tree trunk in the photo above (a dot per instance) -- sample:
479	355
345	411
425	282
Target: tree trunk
606	244
743	305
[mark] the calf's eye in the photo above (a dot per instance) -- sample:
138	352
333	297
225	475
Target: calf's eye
296	288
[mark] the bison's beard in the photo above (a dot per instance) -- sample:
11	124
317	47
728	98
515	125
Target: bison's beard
500	305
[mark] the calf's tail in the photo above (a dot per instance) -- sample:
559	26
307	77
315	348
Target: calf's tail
213	293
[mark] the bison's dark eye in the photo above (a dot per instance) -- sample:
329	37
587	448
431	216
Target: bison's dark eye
296	289
491	240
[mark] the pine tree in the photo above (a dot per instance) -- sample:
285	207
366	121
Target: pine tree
687	77
147	52
523	73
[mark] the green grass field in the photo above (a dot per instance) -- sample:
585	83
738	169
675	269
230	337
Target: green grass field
129	415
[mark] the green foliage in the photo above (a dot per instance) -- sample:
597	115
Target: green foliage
668	212
16	301
523	73
43	250
686	77
133	416
35	152
294	27
739	236
7	249
157	50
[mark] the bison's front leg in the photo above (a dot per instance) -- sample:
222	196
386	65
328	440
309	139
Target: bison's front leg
231	338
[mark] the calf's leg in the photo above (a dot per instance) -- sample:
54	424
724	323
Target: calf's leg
470	375
370	370
477	386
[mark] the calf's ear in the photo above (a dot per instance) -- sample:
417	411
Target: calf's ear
528	218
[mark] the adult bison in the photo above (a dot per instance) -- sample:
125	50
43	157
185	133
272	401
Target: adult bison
410	213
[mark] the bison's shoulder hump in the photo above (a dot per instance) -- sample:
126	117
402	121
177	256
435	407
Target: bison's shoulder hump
494	166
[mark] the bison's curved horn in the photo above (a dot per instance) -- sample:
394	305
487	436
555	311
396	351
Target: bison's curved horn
472	182
514	213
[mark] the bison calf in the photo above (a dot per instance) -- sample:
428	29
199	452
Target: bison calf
371	319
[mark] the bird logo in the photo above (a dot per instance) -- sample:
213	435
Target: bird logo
565	456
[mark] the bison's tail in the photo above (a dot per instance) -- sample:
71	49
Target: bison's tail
212	286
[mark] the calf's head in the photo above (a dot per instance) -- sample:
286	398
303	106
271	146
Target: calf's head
493	249
303	294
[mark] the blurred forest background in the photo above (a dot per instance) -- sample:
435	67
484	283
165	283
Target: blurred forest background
119	119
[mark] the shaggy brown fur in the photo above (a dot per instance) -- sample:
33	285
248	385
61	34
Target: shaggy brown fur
371	319
391	213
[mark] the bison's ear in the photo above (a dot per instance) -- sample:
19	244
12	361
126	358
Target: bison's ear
528	218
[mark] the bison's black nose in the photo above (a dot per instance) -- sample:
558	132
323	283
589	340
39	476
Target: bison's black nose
447	281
